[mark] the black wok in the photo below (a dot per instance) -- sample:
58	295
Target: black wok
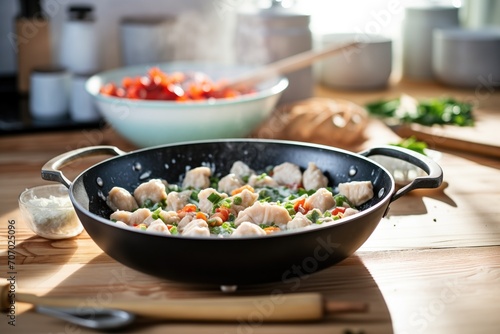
226	261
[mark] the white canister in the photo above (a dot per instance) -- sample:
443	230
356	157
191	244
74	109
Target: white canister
145	40
49	94
82	107
367	66
267	35
79	51
418	27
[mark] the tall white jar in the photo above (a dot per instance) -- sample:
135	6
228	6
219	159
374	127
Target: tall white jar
267	35
79	52
418	27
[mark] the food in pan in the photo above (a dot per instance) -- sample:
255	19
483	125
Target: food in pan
241	203
175	86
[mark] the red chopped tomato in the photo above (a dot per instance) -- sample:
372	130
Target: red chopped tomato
337	210
176	86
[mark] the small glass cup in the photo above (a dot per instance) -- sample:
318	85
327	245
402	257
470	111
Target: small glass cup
48	211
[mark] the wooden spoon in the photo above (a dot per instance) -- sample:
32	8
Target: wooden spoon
272	308
287	65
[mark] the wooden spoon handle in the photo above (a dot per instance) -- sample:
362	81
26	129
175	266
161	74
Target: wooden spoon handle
288	65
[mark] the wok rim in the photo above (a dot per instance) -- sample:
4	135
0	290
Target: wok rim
383	203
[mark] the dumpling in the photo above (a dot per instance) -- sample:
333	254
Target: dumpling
229	183
153	190
197	227
169	217
322	200
158	226
313	177
189	216
349	212
204	203
247	229
287	174
263	213
258	181
241	170
247	197
120	199
197	178
131	218
358	192
299	221
177	200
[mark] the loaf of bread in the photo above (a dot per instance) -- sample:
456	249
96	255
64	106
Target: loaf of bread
326	121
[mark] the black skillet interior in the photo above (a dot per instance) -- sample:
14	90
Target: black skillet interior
172	162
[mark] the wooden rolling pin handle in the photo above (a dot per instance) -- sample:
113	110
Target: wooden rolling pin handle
270	308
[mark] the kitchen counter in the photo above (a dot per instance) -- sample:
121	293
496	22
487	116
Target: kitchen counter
431	266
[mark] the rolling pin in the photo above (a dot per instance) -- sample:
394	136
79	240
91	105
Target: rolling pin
295	307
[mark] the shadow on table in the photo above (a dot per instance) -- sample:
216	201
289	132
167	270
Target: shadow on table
103	279
413	204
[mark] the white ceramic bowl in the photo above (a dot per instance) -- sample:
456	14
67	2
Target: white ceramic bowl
467	58
149	123
367	66
48	211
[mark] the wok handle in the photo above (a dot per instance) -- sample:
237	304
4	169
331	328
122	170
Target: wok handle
51	172
434	172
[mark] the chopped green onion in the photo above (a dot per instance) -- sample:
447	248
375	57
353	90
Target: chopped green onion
313	216
214	198
173	230
156	214
341	199
237	200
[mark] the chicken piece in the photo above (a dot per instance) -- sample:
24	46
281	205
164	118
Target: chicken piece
229	183
177	200
247	229
131	218
158	226
264	213
120	199
322	200
358	192
263	180
169	217
313	177
241	170
197	178
299	221
287	174
248	198
204	204
153	190
196	228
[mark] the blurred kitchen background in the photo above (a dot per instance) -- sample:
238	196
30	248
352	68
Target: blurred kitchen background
190	30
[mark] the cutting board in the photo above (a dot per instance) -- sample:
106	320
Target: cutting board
482	138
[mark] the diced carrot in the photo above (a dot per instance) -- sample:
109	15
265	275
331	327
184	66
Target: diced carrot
201	215
299	206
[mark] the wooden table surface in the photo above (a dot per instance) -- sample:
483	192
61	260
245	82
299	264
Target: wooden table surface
431	266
